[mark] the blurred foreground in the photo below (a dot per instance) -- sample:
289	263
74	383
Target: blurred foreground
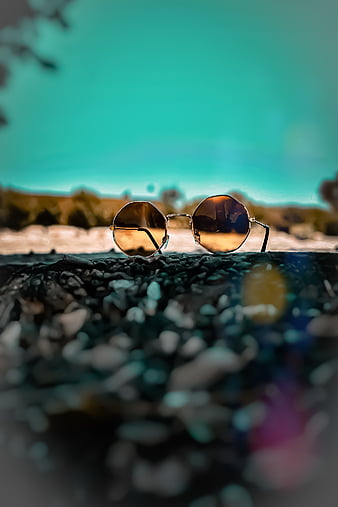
187	381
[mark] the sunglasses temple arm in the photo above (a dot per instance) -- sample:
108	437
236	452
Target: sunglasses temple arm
143	229
151	237
266	236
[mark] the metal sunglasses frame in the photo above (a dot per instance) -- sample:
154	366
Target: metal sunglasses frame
158	247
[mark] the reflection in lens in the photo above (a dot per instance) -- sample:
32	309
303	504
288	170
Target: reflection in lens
221	224
140	229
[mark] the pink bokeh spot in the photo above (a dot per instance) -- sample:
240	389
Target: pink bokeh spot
283	452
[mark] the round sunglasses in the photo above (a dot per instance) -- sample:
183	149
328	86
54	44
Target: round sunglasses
220	223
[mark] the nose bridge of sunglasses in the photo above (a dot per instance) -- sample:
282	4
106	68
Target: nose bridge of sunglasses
179	215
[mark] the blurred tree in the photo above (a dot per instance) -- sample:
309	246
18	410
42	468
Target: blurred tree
329	192
331	228
169	198
82	195
240	197
90	206
126	195
17	33
16	217
47	217
78	218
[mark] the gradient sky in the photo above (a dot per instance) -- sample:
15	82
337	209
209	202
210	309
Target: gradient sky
206	95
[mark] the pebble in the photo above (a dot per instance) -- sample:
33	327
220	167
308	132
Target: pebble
77	261
324	326
118	275
154	291
71	350
209	367
10	336
226	315
5	312
167	478
206	422
96	273
150	306
192	347
169	341
73	322
323	373
251	348
102	357
74	281
116	299
290	297
32	307
81	292
196	288
248	417
317	424
187	322
56	297
155	376
122	340
215	279
176	399
135	314
296	312
107	304
223	302
292	336
235	495
200	432
15	376
121	285
208	310
173	311
125	374
313	312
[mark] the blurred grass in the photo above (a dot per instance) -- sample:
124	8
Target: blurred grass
86	209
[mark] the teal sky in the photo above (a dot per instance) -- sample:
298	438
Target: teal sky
207	95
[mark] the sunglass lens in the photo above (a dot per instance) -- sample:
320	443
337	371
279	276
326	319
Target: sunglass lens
221	224
139	229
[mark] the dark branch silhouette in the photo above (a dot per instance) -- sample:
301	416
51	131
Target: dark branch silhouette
329	192
12	14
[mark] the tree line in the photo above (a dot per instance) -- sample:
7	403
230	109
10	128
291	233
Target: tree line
86	209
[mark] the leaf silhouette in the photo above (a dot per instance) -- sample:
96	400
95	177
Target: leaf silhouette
12	14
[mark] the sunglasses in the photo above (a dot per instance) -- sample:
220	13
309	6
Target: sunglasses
220	223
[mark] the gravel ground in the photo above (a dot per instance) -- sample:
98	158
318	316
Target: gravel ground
189	380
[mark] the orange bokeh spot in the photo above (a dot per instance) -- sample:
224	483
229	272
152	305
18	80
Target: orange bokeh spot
264	292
